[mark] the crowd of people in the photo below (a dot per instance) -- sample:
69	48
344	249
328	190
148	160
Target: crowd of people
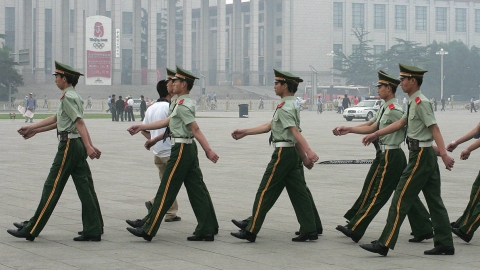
172	133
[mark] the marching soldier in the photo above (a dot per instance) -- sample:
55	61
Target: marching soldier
422	172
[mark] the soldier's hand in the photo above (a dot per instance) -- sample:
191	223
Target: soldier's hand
92	154
149	143
29	134
369	139
97	152
448	161
134	129
338	131
451	146
211	155
238	134
465	154
307	162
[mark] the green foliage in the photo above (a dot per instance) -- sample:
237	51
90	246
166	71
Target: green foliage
8	74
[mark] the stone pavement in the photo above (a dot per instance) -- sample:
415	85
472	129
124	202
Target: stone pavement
125	177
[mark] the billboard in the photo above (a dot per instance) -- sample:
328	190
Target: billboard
98	46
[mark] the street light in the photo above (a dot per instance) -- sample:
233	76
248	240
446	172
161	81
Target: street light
331	54
441	53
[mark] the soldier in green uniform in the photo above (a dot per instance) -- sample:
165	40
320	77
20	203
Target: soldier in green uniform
285	169
182	167
422	172
466	225
74	146
383	177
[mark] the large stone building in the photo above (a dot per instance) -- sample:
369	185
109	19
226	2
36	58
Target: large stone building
233	43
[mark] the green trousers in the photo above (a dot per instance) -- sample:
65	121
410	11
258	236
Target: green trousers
182	168
367	189
390	168
318	222
421	174
283	171
470	220
70	160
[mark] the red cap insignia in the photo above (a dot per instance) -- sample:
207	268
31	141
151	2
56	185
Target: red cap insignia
280	105
391	106
63	95
180	102
418	100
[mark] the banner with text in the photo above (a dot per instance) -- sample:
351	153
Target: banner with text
98	45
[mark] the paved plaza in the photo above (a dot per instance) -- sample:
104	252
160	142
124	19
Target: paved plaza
125	177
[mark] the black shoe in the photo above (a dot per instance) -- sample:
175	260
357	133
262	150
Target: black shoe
81	232
454	225
149	205
21	234
139	232
465	237
421	238
305	236
319	231
440	250
242	234
135	223
93	238
376	247
240	224
349	233
176	218
206	237
20	225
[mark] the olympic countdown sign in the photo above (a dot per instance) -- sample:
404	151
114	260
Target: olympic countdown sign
98	46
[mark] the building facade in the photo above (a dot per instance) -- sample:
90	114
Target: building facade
235	43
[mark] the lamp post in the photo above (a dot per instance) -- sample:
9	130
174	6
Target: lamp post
331	54
441	53
314	85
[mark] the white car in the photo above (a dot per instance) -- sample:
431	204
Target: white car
365	109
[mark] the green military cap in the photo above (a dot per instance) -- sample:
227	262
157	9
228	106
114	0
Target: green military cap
284	76
170	73
411	71
183	74
387	79
66	70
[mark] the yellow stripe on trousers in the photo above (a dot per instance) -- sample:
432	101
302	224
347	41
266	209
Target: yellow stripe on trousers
265	189
419	157
376	194
470	228
474	202
65	153
368	190
166	188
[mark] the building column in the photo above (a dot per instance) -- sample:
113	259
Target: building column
187	34
203	35
116	16
287	35
254	72
65	28
171	34
152	77
236	62
27	39
137	47
40	42
79	45
221	40
269	41
102	8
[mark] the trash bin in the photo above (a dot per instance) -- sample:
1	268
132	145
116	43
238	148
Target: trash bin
243	110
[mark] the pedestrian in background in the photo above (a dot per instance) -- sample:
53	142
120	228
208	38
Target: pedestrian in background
30	105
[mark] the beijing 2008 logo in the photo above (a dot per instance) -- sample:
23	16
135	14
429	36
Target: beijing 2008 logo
98	32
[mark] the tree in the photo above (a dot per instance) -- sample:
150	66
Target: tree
359	67
9	76
408	52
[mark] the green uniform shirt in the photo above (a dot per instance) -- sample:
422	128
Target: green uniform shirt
391	113
71	108
286	116
182	115
173	103
420	118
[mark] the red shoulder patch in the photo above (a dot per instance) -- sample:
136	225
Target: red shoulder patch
280	105
180	102
391	106
63	95
418	100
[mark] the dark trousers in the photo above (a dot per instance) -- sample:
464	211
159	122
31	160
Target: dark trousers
130	113
70	160
470	219
391	166
182	168
421	174
283	172
119	115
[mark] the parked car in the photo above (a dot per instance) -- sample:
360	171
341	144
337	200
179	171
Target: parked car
136	104
365	109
